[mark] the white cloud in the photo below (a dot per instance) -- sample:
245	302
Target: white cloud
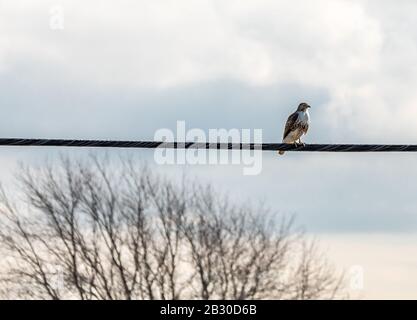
363	53
167	43
137	64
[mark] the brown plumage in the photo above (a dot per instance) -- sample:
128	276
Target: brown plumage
297	125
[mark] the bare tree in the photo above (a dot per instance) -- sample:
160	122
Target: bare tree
92	230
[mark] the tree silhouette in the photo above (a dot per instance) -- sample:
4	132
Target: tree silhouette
91	230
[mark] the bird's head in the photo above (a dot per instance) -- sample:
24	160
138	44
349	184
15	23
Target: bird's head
303	107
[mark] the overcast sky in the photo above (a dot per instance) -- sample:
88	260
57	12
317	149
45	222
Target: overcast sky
122	70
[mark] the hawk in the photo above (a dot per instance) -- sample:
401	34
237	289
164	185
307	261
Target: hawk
296	126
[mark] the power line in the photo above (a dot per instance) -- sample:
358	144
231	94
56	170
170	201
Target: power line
207	145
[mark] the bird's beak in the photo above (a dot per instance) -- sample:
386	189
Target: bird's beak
309	107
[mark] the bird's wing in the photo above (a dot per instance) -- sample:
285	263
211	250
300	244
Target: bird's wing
289	126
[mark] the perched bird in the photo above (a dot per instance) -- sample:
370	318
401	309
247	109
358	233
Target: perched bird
296	126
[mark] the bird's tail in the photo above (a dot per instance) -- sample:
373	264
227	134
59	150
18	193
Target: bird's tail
280	152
